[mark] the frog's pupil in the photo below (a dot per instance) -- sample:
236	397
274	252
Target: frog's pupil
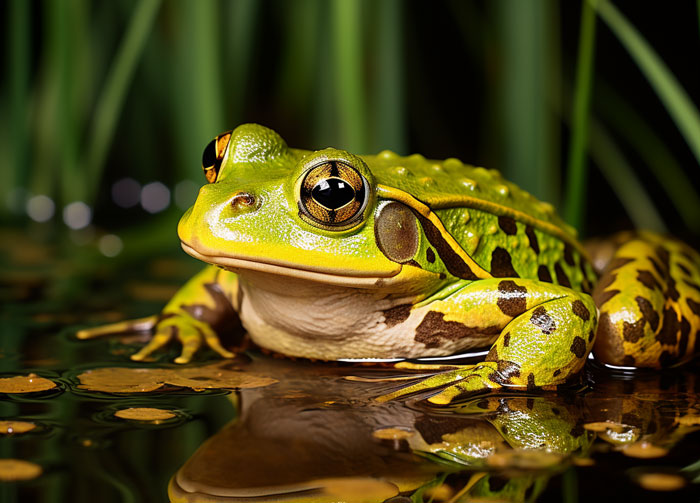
333	193
209	154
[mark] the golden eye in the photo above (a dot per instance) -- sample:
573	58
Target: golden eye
213	155
333	195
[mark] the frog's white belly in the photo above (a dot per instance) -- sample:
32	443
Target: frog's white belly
310	320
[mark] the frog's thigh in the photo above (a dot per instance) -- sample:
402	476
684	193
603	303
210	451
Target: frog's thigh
546	344
545	331
649	302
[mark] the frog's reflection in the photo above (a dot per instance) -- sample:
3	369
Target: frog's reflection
316	436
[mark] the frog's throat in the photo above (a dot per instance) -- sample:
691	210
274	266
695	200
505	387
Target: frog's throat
319	275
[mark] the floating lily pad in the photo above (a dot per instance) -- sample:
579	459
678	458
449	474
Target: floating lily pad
644	450
143	380
14	427
17	469
30	383
150	414
661	481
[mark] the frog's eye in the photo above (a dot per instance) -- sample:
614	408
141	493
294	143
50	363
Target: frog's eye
213	155
333	195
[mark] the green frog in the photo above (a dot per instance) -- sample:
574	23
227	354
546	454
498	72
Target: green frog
330	255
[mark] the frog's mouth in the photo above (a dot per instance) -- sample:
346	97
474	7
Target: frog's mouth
315	274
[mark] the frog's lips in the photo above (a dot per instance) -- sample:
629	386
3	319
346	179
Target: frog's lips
320	275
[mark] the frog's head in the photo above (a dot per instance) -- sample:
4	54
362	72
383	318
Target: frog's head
302	214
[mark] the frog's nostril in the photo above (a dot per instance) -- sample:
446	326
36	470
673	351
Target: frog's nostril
243	201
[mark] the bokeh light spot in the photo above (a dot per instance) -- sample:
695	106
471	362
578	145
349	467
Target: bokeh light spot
155	197
110	245
77	215
40	208
126	192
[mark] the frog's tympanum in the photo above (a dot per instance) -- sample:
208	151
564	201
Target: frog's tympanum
330	255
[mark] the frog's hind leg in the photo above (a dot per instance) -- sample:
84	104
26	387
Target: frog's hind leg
545	339
649	301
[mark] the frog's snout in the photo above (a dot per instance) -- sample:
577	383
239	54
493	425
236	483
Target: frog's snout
244	202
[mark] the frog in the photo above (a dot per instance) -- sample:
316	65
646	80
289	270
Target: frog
331	255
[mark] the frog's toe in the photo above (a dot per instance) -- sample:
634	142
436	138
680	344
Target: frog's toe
189	348
458	381
159	341
122	327
213	342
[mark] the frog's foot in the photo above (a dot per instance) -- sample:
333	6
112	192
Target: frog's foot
649	300
190	332
456	380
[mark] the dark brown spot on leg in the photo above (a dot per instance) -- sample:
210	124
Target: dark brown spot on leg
647	279
632	332
694	306
556	373
671	291
544	275
663	255
532	238
569	255
433	330
663	273
580	310
512	300
430	255
508	225
562	278
578	347
668	334
602	298
692	285
542	320
685	270
397	315
591	336
648	312
506	340
504	373
618	262
501	265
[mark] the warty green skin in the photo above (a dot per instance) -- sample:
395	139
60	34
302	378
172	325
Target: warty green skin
441	257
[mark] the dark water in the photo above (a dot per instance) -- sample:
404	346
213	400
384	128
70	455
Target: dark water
305	431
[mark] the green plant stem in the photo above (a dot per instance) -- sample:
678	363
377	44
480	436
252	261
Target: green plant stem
621	176
111	99
527	124
18	71
574	206
349	81
677	102
388	110
669	174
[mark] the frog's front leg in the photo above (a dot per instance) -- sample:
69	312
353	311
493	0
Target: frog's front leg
546	333
203	307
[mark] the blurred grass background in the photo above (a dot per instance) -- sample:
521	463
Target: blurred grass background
106	106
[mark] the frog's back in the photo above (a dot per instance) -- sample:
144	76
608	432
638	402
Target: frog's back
506	230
